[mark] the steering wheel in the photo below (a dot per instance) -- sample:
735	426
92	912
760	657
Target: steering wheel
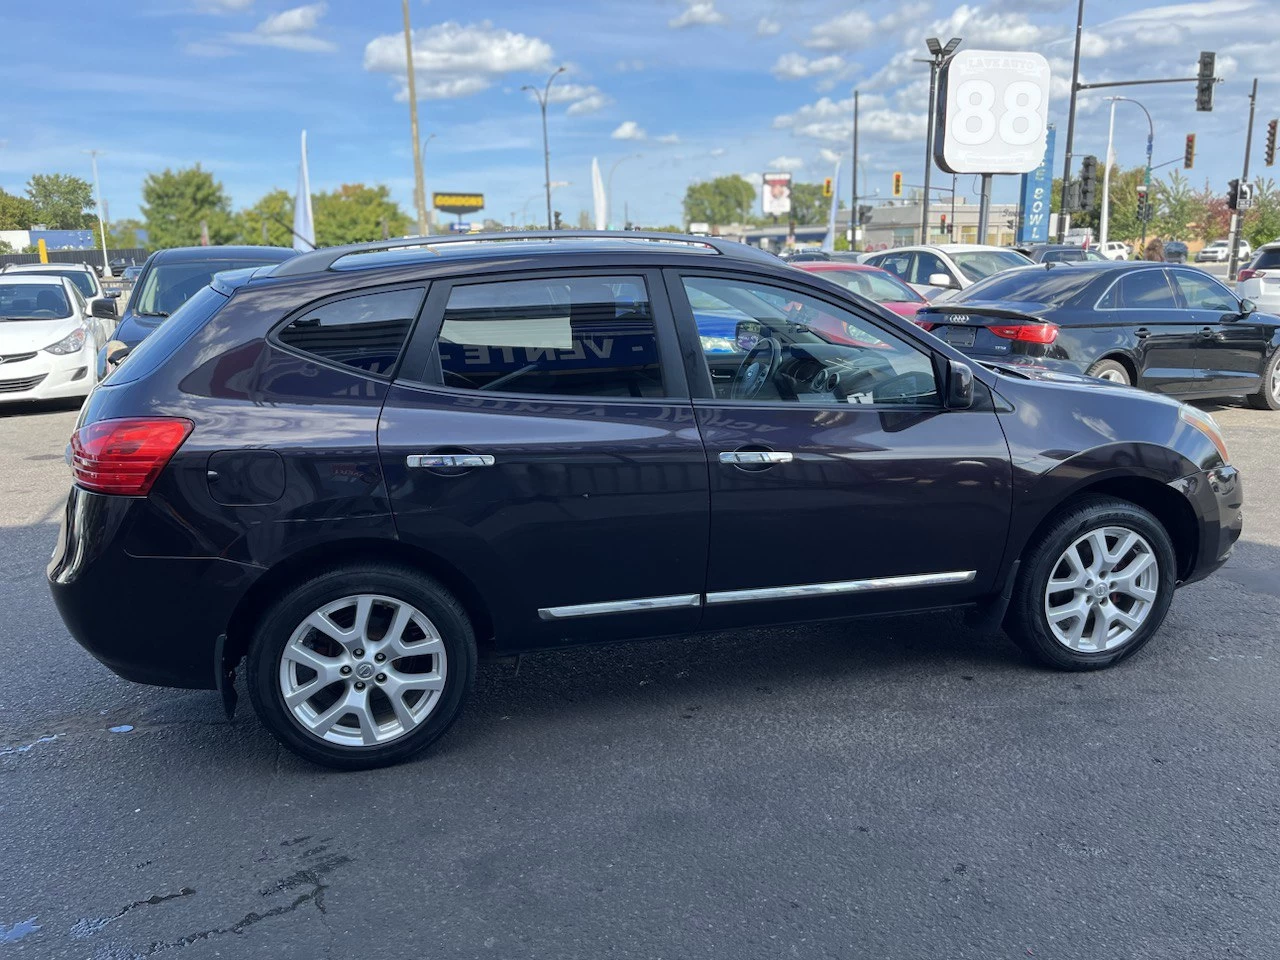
757	369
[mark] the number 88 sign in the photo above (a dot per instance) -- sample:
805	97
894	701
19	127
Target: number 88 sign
992	112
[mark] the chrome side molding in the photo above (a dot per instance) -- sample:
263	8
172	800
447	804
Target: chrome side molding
620	606
437	461
842	586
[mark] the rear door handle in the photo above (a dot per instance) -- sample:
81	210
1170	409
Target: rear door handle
437	461
1142	333
1206	332
755	457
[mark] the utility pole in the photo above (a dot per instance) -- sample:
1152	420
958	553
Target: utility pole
1236	219
546	145
102	216
419	187
1071	127
853	201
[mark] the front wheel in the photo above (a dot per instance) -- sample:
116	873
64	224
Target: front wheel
362	667
1094	587
1268	397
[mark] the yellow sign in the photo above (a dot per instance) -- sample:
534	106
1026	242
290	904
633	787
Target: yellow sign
458	202
826	187
44	250
897	184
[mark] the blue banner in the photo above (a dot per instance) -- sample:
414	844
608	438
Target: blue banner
1036	187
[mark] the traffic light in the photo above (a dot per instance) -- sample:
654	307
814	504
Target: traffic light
1189	157
826	188
1205	81
557	221
1233	195
897	184
1271	142
1088	182
1144	203
944	223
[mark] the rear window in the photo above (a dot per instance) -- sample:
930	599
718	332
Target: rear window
1053	287
1267	259
81	278
151	353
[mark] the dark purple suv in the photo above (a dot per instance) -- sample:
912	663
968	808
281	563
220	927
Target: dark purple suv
362	468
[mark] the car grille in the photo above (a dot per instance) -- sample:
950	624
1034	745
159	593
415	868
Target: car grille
16	357
21	386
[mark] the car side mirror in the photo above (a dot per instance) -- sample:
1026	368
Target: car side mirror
940	280
105	309
959	385
747	334
1247	307
116	352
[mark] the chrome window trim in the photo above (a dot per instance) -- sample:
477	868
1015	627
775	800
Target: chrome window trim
620	606
842	586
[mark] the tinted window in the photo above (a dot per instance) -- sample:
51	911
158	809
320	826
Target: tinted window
1267	259
898	264
157	348
926	266
794	347
569	336
1201	292
167	286
364	332
1063	256
1144	289
81	278
873	284
978	264
1054	287
33	301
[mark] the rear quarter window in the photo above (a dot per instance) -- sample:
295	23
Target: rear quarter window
365	332
151	353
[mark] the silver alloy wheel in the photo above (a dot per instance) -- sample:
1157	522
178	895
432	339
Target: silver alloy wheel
1275	383
1102	589
1113	376
363	670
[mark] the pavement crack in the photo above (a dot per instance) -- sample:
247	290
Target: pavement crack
88	926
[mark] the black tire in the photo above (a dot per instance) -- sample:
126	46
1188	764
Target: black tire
1268	398
277	625
1111	370
1027	622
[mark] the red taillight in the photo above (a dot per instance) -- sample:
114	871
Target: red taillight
1245	274
1027	332
923	324
125	456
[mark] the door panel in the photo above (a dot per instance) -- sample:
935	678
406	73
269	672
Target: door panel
1166	337
1230	349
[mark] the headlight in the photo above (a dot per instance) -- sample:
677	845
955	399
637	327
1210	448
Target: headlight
73	342
1206	425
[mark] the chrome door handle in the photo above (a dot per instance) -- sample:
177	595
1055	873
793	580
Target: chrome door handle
1142	333
756	457
436	461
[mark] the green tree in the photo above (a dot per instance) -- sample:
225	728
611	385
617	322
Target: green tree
15	212
1215	217
274	211
1179	207
1262	221
175	202
59	200
124	234
6	246
808	206
722	200
354	213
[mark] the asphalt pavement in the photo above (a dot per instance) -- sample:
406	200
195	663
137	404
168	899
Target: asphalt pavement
900	789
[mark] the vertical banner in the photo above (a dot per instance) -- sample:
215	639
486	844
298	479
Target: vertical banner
1036	187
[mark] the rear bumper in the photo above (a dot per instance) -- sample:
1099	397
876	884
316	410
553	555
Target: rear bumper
149	619
1217	498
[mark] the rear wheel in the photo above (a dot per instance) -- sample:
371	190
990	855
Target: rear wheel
1268	398
1094	586
1111	370
362	667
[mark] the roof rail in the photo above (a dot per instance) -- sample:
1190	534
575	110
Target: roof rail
318	261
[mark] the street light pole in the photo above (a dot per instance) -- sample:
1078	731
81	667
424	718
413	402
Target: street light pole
853	200
419	187
1071	127
542	99
102	219
1237	221
1104	218
608	188
426	140
938	58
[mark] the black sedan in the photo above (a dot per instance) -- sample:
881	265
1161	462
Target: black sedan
1169	329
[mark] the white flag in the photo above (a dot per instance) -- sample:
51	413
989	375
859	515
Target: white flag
304	231
598	195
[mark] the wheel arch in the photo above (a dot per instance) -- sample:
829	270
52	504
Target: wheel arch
1122	357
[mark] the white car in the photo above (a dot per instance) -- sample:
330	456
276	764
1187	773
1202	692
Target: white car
1115	250
82	275
1260	281
1220	252
938	271
49	337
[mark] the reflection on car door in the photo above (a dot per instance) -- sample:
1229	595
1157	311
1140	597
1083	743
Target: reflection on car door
1231	348
1143	311
545	445
839	484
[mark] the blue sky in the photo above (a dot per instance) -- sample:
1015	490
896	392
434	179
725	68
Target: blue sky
698	88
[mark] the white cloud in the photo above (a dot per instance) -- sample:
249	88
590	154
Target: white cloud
461	58
588	104
698	13
290	30
832	121
982	29
717	152
629	130
796	66
767	27
668	138
629	66
785	163
828	155
446	89
582	98
220	6
849	31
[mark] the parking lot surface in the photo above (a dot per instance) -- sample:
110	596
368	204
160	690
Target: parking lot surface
899	789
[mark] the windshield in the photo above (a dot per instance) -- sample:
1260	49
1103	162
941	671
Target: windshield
167	286
1052	287
980	264
872	284
81	278
33	301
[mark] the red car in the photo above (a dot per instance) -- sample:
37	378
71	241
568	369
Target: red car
871	282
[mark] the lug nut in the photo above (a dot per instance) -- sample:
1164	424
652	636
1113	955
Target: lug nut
359	684
380	657
359	652
382	678
345	671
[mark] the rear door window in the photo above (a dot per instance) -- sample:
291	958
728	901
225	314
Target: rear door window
364	332
1200	291
1145	290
